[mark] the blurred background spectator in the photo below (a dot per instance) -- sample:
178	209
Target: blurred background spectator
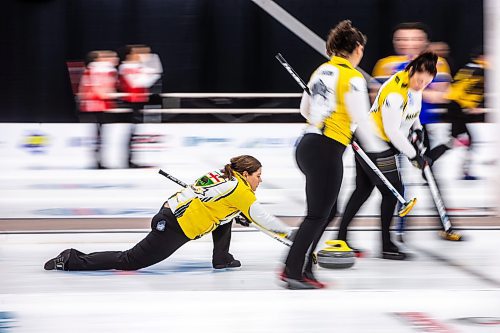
442	49
465	103
204	46
96	93
409	40
138	72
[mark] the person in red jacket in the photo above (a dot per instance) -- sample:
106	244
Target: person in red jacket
96	93
137	74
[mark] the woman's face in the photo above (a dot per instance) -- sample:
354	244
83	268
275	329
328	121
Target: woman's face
253	179
410	42
420	80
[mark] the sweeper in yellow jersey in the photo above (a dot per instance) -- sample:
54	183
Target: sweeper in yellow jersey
396	112
339	99
207	206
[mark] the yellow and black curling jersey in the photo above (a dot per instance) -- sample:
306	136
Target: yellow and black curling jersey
214	200
467	88
327	111
395	110
388	66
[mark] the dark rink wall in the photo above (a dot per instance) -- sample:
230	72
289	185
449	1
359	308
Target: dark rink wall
205	46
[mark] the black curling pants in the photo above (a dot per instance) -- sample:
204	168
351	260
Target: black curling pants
99	118
136	117
221	237
459	120
366	181
320	160
165	237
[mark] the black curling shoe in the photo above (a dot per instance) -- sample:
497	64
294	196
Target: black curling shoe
59	262
230	264
395	255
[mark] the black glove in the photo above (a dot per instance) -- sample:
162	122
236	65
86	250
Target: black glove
420	161
419	134
417	139
240	219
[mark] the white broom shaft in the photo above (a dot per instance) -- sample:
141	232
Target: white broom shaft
293	73
436	196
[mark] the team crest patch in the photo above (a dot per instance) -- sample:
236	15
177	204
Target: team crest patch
211	178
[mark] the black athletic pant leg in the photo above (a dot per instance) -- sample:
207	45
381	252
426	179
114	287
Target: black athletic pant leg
366	180
458	120
98	119
363	190
309	257
99	141
136	117
164	239
389	167
221	237
320	159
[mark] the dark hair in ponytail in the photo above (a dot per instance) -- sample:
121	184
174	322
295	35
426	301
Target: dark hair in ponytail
240	164
343	39
425	62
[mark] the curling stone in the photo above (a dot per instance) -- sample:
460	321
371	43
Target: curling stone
337	255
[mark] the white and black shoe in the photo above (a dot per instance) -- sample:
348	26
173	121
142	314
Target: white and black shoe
59	262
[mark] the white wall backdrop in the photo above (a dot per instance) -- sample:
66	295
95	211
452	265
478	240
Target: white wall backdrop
46	169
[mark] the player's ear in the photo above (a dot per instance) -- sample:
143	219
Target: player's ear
245	174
